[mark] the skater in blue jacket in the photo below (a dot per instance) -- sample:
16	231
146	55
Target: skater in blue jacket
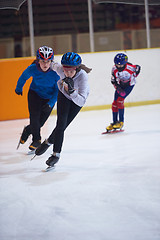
42	94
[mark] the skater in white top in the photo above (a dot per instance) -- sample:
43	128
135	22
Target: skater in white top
73	92
123	79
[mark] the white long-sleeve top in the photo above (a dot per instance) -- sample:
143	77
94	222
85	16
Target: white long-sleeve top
81	86
128	75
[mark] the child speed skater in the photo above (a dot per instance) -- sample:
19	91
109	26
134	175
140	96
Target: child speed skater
123	79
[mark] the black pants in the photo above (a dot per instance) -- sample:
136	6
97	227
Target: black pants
38	115
66	112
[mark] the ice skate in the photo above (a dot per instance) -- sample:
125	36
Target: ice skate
118	125
114	128
53	159
42	148
110	127
35	145
24	136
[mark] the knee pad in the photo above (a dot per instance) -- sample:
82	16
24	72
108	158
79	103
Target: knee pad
120	103
114	106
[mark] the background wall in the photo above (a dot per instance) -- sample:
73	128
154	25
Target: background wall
12	105
148	83
64	25
147	89
80	42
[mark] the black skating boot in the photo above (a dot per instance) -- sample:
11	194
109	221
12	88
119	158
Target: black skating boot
42	148
24	136
35	145
53	159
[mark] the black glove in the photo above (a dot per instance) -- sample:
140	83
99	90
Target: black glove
46	108
113	80
70	83
18	93
138	69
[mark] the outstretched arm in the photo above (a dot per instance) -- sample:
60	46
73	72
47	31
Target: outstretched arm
22	80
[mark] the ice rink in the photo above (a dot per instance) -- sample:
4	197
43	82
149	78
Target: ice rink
105	187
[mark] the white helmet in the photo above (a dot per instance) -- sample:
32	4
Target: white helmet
45	53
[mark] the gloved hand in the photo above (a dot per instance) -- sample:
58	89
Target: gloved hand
138	69
120	91
46	108
70	83
113	79
18	93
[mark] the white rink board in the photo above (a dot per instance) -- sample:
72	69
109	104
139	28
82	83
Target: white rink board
101	89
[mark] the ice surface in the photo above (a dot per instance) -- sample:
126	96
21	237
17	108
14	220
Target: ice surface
105	187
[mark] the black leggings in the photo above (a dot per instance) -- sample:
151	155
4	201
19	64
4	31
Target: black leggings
66	112
37	114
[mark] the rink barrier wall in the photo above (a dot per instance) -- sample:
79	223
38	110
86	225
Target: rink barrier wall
129	104
101	94
12	105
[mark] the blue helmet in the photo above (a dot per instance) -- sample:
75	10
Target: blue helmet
45	53
120	59
71	59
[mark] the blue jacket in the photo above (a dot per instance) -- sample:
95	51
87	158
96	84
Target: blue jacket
43	83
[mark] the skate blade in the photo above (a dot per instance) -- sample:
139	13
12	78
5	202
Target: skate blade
18	145
48	169
33	157
113	131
